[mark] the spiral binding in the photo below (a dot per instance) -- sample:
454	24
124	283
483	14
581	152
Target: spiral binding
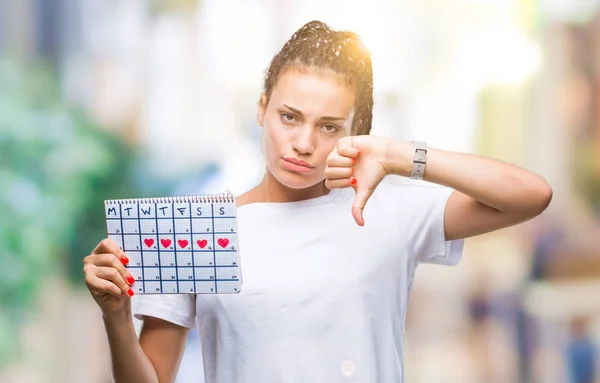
226	197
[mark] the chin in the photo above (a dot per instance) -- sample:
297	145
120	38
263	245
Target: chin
294	180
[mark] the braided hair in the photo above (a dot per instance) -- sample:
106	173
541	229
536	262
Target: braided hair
315	46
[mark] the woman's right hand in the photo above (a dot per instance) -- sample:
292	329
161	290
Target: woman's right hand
107	278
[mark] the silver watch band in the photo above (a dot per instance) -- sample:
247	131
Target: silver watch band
419	160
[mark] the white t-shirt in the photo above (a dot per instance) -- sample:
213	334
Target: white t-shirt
323	299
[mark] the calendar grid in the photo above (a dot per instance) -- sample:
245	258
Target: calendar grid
197	280
192	240
207	251
199	267
158	245
216	232
212	209
174	218
178	245
122	234
140	234
175	247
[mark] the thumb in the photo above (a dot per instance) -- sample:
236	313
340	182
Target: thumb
362	196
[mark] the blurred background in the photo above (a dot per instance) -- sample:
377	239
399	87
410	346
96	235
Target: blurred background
105	99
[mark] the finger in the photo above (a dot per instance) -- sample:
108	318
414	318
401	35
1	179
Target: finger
362	196
113	275
125	276
338	173
102	286
345	148
340	161
110	260
107	245
341	183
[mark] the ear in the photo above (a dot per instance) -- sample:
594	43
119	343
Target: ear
262	108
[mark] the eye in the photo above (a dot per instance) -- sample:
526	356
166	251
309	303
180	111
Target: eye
287	117
330	128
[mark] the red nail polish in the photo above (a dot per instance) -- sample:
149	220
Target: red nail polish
351	170
353	161
358	154
130	292
124	260
130	279
353	181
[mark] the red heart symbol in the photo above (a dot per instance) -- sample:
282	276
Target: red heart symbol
202	243
165	242
182	243
223	242
149	242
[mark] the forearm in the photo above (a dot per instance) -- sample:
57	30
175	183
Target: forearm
505	187
129	362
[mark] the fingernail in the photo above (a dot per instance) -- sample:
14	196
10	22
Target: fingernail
130	279
351	170
353	181
124	260
358	154
130	292
353	161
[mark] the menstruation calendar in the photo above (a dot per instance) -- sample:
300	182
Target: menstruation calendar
178	245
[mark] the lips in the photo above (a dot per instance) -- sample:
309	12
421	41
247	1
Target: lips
295	165
298	162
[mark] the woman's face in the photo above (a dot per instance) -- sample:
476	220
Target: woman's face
306	115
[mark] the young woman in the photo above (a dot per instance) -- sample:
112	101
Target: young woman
330	248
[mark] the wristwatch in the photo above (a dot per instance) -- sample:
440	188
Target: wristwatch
419	160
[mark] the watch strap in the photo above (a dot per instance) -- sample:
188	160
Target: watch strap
419	160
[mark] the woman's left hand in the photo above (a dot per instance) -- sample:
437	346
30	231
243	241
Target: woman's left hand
360	162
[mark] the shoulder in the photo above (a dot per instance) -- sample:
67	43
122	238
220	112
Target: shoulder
408	200
408	191
417	209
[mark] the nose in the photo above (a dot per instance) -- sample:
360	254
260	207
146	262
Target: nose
304	140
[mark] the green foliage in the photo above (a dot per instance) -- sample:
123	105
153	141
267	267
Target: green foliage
56	168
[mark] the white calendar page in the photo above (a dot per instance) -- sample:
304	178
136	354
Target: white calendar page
178	245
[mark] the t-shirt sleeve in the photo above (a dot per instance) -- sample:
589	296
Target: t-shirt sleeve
435	248
175	308
425	204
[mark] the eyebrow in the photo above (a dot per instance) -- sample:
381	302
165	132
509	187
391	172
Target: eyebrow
324	118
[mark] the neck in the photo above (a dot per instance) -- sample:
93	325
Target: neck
271	190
